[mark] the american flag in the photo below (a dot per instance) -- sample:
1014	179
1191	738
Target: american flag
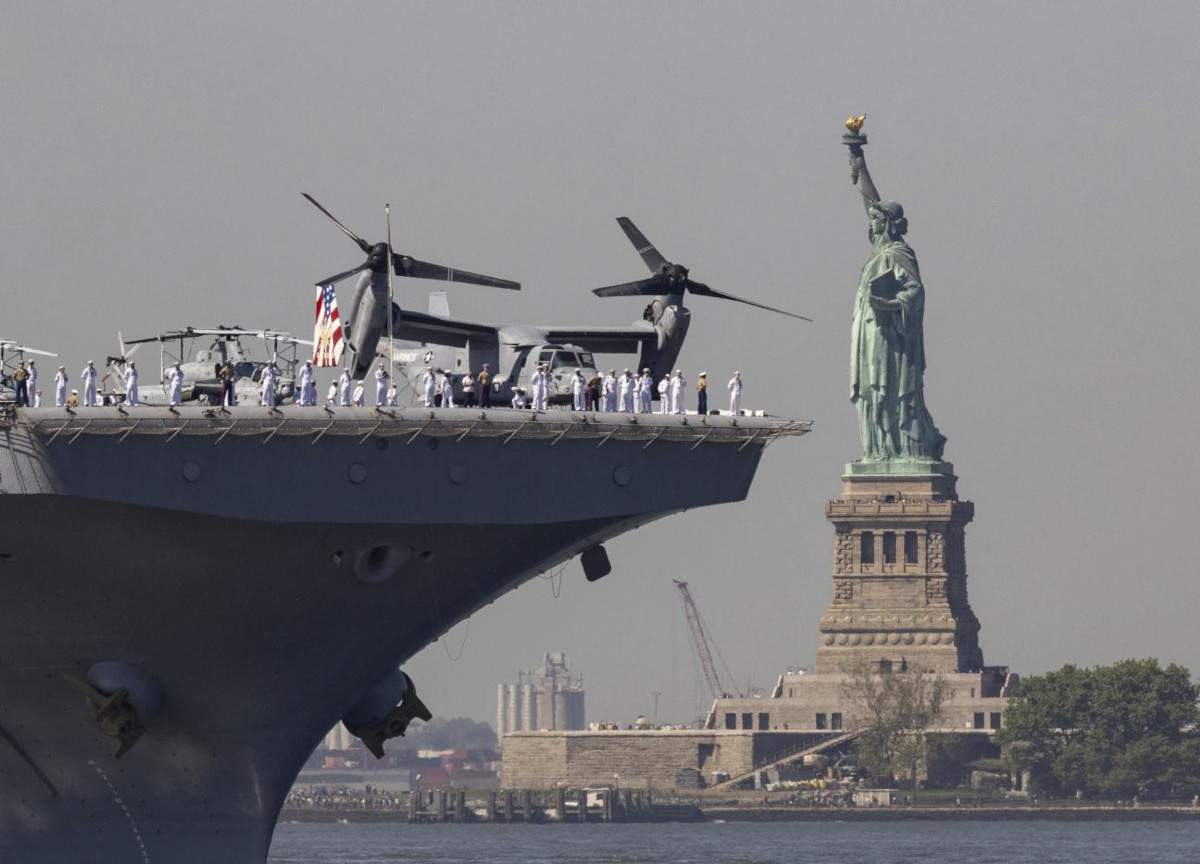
327	332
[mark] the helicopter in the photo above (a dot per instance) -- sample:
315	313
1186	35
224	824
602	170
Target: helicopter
12	354
454	346
201	374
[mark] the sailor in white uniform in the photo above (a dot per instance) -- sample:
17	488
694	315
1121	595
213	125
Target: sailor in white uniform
645	392
359	393
306	380
268	386
678	393
578	391
32	381
331	395
175	382
541	387
447	390
735	393
429	381
131	386
608	396
664	394
344	386
382	380
519	400
37	399
626	390
60	387
89	384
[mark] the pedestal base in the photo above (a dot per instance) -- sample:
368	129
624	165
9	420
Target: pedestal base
899	571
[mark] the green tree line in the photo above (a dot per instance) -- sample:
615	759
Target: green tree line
1110	731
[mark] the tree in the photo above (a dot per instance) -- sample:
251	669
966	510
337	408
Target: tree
1109	731
895	711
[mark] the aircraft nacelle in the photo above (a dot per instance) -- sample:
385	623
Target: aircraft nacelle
368	326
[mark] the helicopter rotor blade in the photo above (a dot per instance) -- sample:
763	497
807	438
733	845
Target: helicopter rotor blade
344	274
653	258
704	291
642	287
362	244
411	267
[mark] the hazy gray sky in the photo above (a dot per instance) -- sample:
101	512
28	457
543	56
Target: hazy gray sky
154	154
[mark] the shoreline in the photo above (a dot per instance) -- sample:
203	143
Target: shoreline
1098	813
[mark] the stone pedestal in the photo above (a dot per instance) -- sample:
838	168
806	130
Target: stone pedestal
899	572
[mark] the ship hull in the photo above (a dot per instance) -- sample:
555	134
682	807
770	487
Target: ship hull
277	585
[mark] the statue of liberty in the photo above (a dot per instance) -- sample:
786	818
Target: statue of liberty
887	346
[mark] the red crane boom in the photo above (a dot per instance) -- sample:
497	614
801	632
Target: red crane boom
700	638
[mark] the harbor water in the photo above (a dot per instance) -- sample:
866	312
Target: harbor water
1003	842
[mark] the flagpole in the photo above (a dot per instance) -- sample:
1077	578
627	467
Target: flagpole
387	209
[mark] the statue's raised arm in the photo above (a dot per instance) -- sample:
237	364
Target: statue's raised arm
887	344
855	139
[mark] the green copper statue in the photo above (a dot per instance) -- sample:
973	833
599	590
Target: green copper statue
887	346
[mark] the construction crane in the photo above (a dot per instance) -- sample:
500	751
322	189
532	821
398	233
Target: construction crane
704	645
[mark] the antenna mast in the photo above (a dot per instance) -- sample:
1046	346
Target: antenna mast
387	209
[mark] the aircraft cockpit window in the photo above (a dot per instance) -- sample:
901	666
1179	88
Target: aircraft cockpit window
562	360
244	370
586	360
544	357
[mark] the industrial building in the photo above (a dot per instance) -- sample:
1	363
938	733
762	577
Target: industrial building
547	698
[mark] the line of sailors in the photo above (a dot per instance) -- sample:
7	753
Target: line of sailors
626	393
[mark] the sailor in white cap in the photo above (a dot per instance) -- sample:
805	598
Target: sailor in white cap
627	385
735	393
345	384
175	382
519	400
331	395
306	382
382	380
268	385
89	384
447	389
359	397
702	394
131	385
541	387
32	385
578	391
37	399
608	395
60	387
678	393
646	392
428	382
664	394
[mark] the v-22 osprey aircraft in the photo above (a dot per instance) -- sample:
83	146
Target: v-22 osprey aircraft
513	351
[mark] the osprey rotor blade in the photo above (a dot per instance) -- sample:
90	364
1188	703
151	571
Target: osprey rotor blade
642	287
704	291
362	244
406	266
340	276
653	258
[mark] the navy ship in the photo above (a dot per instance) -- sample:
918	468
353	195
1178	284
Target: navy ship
177	588
192	596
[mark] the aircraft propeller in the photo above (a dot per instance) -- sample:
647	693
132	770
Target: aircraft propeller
668	278
404	265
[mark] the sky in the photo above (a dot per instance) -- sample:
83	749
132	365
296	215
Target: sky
154	155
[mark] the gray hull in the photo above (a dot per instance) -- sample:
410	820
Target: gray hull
266	573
